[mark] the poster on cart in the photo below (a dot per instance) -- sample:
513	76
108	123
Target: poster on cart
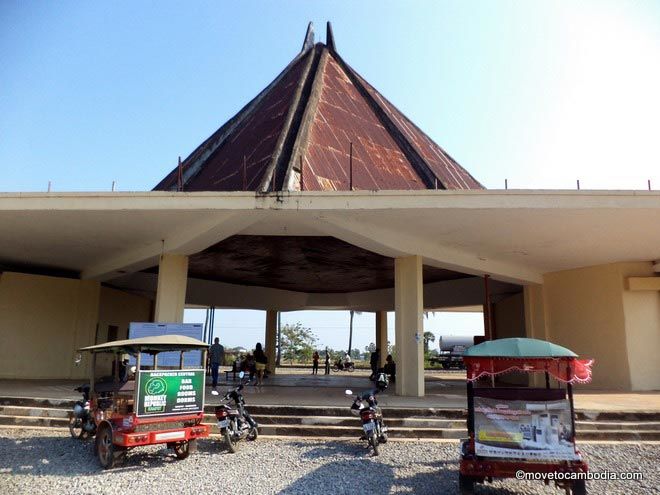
163	392
532	430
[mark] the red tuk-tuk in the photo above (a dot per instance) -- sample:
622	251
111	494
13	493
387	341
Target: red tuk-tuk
155	402
526	432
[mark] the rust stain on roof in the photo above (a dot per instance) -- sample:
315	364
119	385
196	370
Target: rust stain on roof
316	109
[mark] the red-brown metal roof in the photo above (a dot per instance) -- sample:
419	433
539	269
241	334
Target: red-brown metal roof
317	108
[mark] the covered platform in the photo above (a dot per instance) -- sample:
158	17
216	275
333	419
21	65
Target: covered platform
443	391
321	194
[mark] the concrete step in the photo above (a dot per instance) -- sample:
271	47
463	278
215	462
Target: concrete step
45	422
611	435
308	421
356	431
618	425
268	419
44	412
37	402
389	412
328	429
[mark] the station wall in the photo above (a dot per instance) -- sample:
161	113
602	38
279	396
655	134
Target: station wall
43	320
592	312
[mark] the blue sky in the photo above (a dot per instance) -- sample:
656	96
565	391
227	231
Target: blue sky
539	93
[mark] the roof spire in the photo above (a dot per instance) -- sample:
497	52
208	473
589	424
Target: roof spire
309	38
329	37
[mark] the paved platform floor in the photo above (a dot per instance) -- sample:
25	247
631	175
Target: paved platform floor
444	390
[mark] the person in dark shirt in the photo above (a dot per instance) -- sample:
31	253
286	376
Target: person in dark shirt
373	361
260	361
390	367
315	363
216	357
327	362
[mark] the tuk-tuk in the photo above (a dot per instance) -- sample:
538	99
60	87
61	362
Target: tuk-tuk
151	402
521	431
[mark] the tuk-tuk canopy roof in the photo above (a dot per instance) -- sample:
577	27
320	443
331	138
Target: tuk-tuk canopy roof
158	343
518	348
526	356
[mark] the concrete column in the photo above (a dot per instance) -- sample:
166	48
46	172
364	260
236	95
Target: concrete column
171	292
271	340
409	330
381	336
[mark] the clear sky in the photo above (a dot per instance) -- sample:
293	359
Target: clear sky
538	92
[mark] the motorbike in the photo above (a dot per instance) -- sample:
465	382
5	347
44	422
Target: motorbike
235	423
81	422
365	405
341	366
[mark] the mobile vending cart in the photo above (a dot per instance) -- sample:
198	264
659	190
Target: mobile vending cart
153	404
514	430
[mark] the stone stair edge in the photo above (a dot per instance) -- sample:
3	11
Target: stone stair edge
409	412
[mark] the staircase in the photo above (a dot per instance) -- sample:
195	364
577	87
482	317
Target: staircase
309	421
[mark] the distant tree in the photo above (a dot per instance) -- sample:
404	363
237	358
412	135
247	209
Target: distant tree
356	354
428	337
297	342
350	333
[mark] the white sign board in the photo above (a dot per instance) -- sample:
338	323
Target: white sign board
167	359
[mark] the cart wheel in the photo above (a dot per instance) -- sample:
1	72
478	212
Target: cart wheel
182	449
106	451
465	484
579	487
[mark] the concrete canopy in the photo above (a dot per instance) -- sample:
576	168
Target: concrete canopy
515	236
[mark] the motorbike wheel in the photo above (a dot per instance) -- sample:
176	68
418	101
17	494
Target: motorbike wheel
335	368
182	449
108	453
252	436
230	442
382	437
373	441
76	427
351	368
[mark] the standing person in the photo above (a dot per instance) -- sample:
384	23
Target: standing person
216	357
390	367
327	362
373	361
315	363
260	361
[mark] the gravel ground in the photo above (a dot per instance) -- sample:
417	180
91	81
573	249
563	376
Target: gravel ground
33	461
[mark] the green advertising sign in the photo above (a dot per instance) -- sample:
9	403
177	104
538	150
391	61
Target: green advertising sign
170	392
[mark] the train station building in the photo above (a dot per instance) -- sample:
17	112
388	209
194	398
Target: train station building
321	194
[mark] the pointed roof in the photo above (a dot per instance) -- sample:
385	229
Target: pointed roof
318	126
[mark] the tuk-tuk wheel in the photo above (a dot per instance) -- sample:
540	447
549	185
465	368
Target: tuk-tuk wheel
465	484
579	487
183	449
106	451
